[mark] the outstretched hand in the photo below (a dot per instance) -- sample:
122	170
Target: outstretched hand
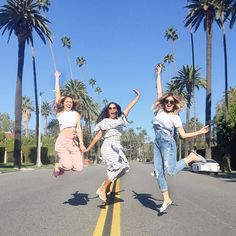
159	68
204	129
136	92
83	148
57	74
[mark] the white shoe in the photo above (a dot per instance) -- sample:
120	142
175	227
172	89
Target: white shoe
199	157
165	206
98	190
153	173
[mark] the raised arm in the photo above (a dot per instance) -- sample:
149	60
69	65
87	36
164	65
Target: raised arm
132	103
57	86
158	78
96	138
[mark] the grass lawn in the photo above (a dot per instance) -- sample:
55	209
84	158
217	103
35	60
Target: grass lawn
10	168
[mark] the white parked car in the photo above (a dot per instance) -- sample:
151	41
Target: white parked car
211	166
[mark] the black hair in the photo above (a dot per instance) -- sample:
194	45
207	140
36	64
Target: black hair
105	112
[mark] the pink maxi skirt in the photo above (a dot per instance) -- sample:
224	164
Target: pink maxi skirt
69	154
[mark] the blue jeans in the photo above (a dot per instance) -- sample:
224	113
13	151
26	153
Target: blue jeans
165	157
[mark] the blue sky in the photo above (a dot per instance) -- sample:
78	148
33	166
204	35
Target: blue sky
122	41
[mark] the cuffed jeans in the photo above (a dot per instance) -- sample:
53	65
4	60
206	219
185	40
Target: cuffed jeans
165	157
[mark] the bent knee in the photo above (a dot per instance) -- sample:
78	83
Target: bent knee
171	172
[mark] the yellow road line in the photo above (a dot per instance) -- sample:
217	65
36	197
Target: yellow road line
115	226
101	220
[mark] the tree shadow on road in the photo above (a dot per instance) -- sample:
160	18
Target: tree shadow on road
78	199
147	200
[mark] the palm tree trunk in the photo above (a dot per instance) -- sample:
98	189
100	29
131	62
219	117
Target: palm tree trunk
226	72
173	52
45	125
69	62
186	141
27	129
35	94
53	55
208	90
194	94
18	103
194	89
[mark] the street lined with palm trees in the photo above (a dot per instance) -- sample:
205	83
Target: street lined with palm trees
33	202
36	203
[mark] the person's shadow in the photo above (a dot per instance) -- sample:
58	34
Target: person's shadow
78	199
147	200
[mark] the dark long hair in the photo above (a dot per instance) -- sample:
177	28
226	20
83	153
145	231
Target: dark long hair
105	112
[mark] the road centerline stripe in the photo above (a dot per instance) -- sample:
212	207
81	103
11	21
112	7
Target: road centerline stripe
115	226
98	231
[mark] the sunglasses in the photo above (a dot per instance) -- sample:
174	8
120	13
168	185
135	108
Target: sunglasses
112	108
171	102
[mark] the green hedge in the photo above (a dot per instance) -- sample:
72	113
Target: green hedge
30	155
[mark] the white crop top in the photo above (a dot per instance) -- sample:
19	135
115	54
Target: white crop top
67	119
166	120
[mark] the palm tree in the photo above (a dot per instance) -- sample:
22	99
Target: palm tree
77	90
27	108
104	101
193	65
98	90
169	58
22	17
171	34
66	42
92	82
43	6
186	80
232	14
201	10
53	127
46	111
80	61
222	13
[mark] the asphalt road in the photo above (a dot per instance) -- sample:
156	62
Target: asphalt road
34	203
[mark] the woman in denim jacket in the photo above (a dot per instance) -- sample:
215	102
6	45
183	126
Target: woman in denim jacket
166	118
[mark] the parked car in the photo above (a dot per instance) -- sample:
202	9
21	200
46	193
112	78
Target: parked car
211	166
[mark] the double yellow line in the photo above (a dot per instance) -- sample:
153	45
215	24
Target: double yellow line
104	214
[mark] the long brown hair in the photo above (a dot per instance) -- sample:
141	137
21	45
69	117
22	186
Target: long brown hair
59	107
179	103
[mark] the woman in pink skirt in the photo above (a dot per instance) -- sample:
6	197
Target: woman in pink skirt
69	144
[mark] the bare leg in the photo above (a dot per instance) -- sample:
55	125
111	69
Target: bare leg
102	193
166	197
167	201
57	166
190	158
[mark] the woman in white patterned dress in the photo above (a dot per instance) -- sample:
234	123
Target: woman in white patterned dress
109	126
